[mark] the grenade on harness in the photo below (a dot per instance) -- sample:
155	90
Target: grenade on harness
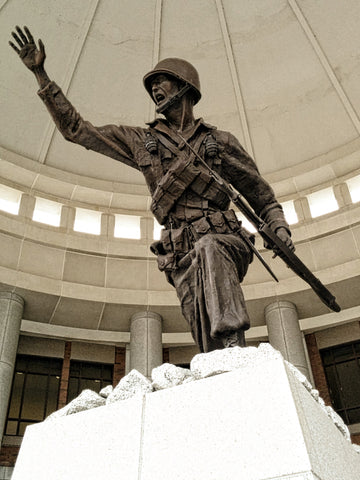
211	146
151	144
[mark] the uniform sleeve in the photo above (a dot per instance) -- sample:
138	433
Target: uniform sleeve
240	170
117	142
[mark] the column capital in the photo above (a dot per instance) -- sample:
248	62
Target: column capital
12	297
278	305
145	315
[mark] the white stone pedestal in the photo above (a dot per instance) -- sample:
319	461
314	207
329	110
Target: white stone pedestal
254	423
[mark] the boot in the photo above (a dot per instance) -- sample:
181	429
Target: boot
235	338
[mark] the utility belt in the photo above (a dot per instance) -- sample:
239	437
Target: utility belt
176	243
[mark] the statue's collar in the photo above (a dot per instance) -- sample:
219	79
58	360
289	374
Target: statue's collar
161	123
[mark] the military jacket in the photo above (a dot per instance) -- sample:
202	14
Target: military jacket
182	192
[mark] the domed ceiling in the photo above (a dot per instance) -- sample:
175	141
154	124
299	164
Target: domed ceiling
282	75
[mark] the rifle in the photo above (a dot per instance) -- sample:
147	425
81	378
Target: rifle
270	237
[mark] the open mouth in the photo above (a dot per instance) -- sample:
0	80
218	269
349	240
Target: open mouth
159	97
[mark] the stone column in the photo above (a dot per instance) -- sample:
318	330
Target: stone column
285	334
145	342
11	310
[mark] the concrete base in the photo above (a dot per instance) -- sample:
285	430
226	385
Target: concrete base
254	423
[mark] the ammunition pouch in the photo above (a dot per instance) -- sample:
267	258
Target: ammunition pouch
176	243
172	247
183	175
207	187
218	222
171	187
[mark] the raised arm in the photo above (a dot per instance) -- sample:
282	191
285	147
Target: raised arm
117	142
32	57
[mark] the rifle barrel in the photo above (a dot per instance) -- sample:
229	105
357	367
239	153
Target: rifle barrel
291	260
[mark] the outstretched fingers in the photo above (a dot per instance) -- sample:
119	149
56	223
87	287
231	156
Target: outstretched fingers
21	39
17	39
30	37
14	47
22	36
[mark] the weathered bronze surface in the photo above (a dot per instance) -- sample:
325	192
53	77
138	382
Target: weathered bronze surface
204	251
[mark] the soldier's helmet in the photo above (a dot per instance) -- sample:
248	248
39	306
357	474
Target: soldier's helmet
179	69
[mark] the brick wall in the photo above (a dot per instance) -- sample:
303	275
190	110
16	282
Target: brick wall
64	381
166	355
119	365
317	368
8	455
319	375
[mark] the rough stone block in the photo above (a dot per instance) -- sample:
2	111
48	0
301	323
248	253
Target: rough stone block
85	401
168	375
132	384
105	392
220	361
258	422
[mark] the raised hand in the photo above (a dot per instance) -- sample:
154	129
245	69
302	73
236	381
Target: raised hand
27	50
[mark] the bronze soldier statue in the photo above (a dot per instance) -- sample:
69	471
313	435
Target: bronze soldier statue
204	251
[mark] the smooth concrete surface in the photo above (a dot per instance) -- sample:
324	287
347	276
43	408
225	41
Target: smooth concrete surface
255	423
98	443
337	335
11	310
285	334
92	352
145	342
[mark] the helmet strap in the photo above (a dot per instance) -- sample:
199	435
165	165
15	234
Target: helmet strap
182	116
174	98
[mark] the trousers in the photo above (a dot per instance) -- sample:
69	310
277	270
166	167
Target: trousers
207	282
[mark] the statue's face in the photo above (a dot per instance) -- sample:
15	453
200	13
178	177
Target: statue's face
163	87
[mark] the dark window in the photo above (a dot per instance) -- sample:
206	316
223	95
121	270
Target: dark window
34	392
183	365
342	370
93	376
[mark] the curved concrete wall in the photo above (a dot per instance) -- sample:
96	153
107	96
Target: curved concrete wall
97	282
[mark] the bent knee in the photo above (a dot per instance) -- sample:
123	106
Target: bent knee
209	240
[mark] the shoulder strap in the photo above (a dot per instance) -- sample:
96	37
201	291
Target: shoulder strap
174	148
